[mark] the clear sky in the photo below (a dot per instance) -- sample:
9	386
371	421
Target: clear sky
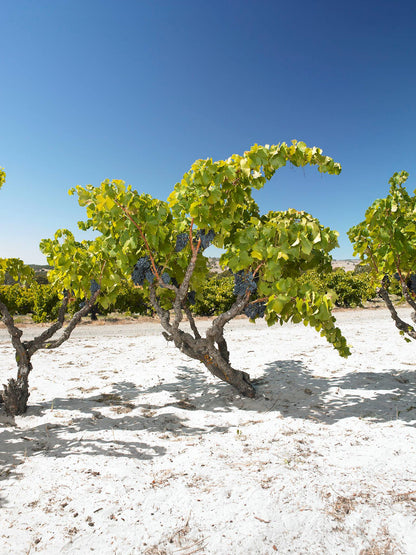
139	89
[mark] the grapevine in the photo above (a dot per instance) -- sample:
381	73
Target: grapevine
386	239
213	205
244	282
206	238
255	310
142	271
181	241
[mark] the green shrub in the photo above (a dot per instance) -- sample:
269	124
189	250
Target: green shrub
215	296
129	300
352	289
41	301
18	299
46	303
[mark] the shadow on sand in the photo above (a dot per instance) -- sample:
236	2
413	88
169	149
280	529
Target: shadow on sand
287	387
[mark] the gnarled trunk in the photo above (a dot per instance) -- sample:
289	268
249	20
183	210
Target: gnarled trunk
399	323
237	378
211	350
16	391
215	358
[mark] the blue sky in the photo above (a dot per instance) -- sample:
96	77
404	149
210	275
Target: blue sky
137	90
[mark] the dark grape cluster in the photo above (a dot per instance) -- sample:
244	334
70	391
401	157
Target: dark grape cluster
206	237
181	241
94	287
190	297
255	310
244	281
141	271
385	281
411	283
165	278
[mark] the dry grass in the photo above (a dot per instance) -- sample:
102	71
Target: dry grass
382	545
342	507
179	543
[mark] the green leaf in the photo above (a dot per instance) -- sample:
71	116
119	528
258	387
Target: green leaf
257	255
278	303
306	244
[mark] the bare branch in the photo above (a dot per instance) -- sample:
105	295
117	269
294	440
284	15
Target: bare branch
399	323
215	331
184	286
408	296
14	332
37	343
191	320
161	312
76	318
223	348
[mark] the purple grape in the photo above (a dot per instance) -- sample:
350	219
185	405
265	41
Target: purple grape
181	241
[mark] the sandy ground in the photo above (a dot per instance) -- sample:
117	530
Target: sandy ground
130	447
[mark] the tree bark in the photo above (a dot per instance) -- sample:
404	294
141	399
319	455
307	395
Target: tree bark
399	323
215	359
16	392
220	368
211	350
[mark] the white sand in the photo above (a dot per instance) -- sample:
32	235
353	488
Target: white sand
130	447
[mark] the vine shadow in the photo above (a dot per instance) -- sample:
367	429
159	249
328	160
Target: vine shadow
380	396
295	390
86	433
287	387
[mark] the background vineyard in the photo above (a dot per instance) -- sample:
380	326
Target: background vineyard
352	287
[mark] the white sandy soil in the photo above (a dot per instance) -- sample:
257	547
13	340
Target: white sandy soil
129	446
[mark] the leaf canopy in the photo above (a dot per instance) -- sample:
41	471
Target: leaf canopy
2	177
386	239
77	263
276	247
17	270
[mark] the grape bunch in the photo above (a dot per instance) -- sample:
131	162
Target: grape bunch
165	278
255	310
385	281
94	287
411	283
190	297
244	281
206	237
141	271
181	241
